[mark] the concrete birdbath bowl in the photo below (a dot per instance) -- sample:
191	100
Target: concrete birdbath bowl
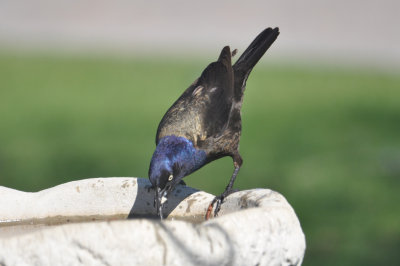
112	221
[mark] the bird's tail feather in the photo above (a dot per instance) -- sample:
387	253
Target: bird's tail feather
251	56
257	49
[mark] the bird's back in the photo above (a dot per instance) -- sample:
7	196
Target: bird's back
202	111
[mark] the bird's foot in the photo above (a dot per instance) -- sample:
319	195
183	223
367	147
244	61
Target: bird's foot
218	200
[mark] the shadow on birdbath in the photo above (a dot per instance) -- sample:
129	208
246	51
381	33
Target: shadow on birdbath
184	203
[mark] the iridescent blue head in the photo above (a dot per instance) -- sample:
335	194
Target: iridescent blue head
174	158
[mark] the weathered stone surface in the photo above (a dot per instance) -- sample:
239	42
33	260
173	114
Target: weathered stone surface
255	227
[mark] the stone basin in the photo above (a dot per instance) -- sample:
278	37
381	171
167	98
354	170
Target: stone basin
112	221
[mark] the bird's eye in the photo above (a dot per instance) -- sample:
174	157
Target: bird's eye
170	177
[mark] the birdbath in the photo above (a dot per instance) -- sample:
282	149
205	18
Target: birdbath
112	221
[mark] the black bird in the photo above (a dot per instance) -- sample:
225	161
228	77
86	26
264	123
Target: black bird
204	124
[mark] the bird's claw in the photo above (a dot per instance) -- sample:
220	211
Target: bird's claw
218	201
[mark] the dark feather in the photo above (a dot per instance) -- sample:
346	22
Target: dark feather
250	58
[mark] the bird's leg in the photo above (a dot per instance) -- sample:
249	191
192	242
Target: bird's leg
228	190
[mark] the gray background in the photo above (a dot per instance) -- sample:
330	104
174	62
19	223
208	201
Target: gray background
351	32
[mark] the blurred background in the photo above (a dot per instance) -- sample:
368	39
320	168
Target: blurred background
84	84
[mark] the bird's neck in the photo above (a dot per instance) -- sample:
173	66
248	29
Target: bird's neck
181	151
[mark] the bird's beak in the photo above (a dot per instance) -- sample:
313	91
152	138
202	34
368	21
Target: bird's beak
161	197
159	200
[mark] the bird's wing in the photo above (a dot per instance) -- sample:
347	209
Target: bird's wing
203	109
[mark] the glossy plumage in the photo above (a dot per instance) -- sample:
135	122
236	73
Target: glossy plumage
204	124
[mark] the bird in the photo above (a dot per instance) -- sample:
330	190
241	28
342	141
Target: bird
204	123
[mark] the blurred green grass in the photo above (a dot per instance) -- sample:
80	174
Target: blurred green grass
328	139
